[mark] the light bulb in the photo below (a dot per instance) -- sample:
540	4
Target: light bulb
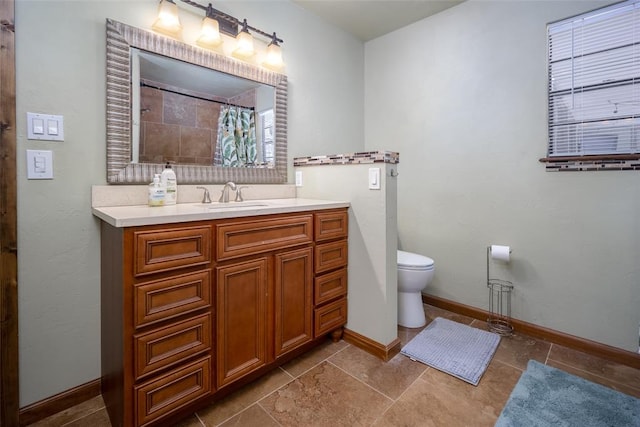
210	33
244	39
274	56
168	20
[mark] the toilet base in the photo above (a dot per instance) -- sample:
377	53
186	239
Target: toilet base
411	310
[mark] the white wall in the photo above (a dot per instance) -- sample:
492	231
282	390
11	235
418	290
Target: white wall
373	290
462	96
60	61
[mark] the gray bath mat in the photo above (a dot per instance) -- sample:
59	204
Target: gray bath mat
454	348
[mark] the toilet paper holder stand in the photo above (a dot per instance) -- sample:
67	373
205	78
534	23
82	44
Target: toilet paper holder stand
499	320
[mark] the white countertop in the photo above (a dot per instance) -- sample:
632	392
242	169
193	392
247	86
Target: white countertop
131	216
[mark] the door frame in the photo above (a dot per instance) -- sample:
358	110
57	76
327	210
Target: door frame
9	379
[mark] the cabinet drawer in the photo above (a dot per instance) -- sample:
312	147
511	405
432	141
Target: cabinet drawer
163	250
329	256
169	345
331	225
168	298
172	391
330	286
237	239
330	317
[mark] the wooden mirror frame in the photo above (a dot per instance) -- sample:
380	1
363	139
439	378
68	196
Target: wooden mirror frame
120	170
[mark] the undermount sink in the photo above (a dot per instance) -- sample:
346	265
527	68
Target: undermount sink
233	205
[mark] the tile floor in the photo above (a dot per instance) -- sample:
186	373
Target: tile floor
338	384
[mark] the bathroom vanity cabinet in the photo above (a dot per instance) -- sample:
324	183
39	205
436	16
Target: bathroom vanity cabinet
193	310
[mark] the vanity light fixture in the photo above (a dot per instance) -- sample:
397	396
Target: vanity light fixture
216	23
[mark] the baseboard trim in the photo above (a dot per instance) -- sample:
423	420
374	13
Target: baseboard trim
594	348
52	405
381	351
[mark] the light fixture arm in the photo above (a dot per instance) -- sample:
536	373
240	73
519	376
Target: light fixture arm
229	24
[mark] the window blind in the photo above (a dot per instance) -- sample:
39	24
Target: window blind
594	82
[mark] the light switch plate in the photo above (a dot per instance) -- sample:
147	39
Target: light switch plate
298	178
374	178
39	164
45	127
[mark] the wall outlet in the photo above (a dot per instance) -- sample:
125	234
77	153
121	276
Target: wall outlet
298	178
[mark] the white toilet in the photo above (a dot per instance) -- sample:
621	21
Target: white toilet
415	272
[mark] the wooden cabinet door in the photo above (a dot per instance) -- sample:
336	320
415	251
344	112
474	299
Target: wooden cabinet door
241	310
293	299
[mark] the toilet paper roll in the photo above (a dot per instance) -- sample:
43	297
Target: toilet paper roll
500	252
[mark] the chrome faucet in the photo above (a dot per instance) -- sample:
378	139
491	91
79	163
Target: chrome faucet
206	198
224	197
239	194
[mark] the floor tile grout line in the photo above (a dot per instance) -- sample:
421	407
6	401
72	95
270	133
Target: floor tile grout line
268	412
200	419
322	360
595	375
418	378
359	380
510	365
83	417
286	372
257	401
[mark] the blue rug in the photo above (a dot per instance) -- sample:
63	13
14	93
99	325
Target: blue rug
546	396
454	348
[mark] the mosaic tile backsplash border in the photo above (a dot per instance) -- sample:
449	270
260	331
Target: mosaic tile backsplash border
349	159
593	165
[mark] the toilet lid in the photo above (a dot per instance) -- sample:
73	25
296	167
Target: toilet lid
410	259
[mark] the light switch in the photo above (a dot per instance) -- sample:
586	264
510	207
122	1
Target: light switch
374	178
298	178
39	164
52	127
38	126
45	127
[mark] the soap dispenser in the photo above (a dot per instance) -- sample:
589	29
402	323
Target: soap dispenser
168	180
156	192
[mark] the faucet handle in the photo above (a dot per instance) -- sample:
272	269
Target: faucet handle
239	193
206	198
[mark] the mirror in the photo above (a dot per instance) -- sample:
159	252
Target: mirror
138	58
191	115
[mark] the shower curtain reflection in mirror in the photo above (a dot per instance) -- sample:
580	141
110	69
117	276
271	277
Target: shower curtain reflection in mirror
236	145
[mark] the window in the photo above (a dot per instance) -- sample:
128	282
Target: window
594	82
268	141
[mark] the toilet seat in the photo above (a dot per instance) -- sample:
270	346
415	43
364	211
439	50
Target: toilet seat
411	261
